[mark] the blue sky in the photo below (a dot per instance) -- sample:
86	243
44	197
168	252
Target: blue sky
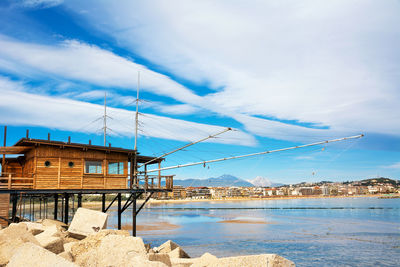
281	73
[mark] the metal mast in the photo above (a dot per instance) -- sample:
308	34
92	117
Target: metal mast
105	119
255	154
137	110
134	168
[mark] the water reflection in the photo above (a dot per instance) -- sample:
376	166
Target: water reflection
348	231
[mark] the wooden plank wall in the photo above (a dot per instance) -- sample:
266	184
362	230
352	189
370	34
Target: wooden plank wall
4	208
61	175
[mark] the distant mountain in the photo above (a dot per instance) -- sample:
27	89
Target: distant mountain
264	182
224	180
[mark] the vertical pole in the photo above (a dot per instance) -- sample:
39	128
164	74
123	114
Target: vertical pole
145	177
66	206
119	211
33	208
105	119
48	136
62	209
79	200
27	133
134	215
14	200
30	207
103	202
137	111
40	207
131	173
4	155
55	206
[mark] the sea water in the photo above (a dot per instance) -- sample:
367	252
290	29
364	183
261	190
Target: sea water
359	231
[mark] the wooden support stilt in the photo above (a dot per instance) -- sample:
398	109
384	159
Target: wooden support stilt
103	202
119	211
66	208
14	199
55	206
134	215
79	200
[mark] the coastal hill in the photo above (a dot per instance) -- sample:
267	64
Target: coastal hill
226	180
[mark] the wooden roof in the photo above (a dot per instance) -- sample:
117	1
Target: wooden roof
26	144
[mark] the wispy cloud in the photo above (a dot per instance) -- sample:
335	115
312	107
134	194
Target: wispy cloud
81	62
304	157
393	166
39	3
312	64
21	108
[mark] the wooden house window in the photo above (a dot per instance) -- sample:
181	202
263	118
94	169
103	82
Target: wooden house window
115	168
93	167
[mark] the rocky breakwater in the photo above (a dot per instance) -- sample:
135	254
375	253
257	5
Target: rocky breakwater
86	242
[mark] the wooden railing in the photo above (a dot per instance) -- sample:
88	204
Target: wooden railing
155	182
11	182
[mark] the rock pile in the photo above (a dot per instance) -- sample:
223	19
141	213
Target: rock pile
51	243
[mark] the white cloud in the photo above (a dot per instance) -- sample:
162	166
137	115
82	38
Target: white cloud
39	3
85	63
88	63
21	108
332	64
393	166
304	157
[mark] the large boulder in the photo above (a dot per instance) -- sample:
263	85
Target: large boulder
167	247
161	257
34	228
178	253
50	222
86	222
30	254
93	241
11	238
178	262
205	260
108	250
52	243
142	261
52	238
263	260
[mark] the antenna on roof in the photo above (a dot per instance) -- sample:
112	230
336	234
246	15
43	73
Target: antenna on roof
135	171
105	119
137	110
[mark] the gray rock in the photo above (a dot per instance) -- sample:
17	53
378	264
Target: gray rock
167	247
86	222
205	260
178	253
51	243
11	238
30	254
164	258
177	262
66	255
34	228
109	250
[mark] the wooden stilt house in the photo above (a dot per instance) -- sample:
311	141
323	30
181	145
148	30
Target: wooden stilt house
45	164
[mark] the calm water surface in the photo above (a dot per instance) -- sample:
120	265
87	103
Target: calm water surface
310	232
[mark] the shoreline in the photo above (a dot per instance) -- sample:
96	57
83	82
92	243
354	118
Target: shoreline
97	204
188	200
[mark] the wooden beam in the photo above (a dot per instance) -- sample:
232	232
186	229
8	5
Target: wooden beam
9	150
